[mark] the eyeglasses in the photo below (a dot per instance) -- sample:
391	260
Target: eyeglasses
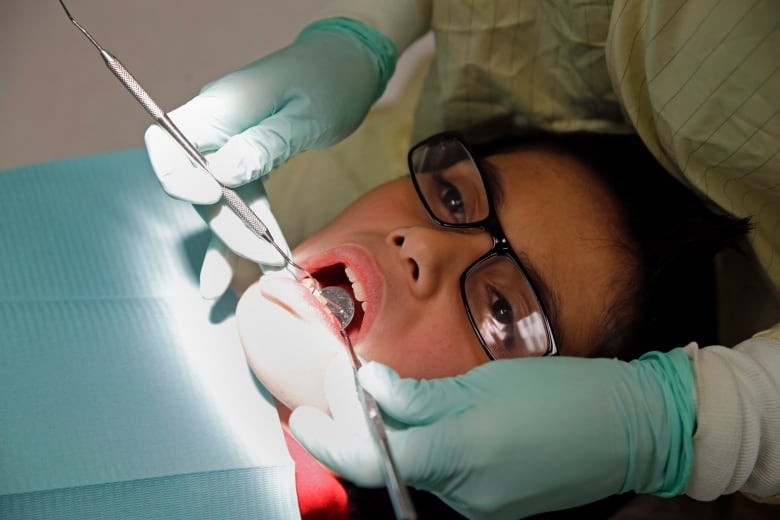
501	302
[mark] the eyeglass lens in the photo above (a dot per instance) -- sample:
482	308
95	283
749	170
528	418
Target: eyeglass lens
501	302
505	310
450	183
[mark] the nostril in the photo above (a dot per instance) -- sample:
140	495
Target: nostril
398	239
415	269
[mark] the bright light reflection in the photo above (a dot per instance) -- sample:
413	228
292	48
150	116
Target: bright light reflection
214	354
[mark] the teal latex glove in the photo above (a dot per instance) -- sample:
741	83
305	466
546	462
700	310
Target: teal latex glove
310	94
515	438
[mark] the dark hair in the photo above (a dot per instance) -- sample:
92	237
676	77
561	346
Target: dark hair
674	236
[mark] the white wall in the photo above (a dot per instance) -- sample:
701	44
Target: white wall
57	98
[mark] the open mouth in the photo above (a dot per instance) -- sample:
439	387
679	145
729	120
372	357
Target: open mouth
339	275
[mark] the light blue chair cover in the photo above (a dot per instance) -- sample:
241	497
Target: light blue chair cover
123	394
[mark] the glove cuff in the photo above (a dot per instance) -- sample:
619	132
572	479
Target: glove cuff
674	379
381	47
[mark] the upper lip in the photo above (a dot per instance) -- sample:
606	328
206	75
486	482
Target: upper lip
364	271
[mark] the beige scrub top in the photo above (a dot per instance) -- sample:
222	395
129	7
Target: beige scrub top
699	80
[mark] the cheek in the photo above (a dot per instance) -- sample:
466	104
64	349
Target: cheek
394	202
389	206
439	345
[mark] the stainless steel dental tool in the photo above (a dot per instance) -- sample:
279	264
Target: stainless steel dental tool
399	495
341	305
336	300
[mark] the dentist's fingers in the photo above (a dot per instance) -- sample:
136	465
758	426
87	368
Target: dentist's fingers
233	161
205	121
352	456
237	236
343	399
254	152
422	454
414	401
340	440
217	270
175	171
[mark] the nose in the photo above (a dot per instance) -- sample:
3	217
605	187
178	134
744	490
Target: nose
433	257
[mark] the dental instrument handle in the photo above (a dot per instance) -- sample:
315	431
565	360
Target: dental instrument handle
239	207
341	304
399	495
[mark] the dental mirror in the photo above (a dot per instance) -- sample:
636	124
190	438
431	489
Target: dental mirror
339	303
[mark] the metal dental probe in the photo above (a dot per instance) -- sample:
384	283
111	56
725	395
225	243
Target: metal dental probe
399	495
337	300
239	207
342	306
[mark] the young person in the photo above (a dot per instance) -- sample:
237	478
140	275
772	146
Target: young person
533	245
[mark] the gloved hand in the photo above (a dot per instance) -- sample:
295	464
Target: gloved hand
518	437
310	94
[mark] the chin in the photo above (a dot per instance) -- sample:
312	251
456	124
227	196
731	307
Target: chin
288	340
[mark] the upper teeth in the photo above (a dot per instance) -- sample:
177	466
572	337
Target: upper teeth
357	287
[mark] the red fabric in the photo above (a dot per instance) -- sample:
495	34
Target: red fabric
320	495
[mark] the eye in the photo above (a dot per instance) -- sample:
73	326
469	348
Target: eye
504	309
501	309
451	200
496	322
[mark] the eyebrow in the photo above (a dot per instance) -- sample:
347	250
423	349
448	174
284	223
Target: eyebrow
547	296
493	182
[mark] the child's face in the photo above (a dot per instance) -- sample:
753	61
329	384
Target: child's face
559	220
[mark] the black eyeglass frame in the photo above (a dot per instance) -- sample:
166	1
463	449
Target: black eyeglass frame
490	225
